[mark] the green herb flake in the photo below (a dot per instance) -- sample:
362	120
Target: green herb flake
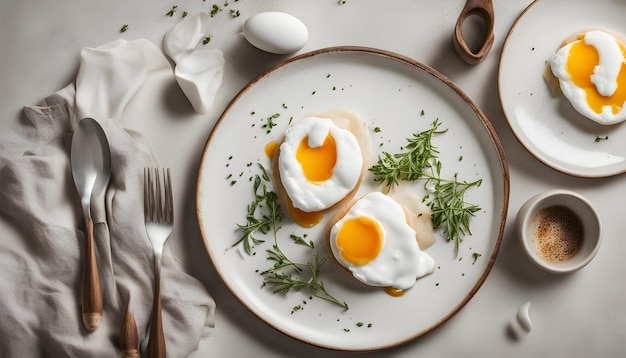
600	139
215	9
269	122
377	130
185	13
235	13
475	256
172	11
124	28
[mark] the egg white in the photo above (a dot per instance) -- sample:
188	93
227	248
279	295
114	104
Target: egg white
304	194
400	261
604	77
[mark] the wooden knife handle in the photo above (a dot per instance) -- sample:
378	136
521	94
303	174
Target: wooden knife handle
129	340
92	292
156	342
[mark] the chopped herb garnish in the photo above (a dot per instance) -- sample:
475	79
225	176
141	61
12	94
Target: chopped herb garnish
206	39
185	13
215	9
234	13
599	139
172	11
377	130
124	28
475	256
269	122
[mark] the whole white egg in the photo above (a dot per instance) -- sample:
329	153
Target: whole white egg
276	32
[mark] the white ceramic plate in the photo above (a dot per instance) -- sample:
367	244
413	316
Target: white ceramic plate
390	92
548	126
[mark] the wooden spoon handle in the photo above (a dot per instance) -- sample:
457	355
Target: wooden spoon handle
156	342
92	292
129	339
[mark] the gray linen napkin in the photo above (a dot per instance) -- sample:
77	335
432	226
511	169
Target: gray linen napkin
41	246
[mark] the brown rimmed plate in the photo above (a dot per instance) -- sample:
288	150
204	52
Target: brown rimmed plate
396	96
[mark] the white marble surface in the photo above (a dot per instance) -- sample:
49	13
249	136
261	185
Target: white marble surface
578	315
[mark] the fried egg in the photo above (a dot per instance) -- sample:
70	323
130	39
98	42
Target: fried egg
320	163
592	76
374	242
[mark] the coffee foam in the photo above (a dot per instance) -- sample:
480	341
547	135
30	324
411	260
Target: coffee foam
557	233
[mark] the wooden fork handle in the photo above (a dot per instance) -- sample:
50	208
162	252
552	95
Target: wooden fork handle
156	342
129	338
92	292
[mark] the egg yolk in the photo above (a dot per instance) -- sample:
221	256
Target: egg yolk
581	62
304	218
270	148
394	292
317	163
359	240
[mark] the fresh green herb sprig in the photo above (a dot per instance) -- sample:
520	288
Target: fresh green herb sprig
285	282
263	213
449	207
420	161
264	216
410	165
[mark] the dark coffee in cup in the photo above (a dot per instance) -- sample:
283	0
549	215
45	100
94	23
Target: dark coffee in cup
557	233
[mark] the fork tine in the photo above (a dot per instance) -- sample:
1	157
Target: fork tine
147	194
158	197
169	202
158	217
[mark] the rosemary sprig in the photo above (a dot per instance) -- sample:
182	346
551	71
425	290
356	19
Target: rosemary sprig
285	282
421	161
448	207
264	216
409	165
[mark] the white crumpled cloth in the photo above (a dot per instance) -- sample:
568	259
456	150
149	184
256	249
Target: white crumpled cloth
41	223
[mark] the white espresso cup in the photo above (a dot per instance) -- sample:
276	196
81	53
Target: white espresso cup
559	230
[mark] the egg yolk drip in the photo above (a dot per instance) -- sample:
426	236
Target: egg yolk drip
304	218
359	240
581	64
317	162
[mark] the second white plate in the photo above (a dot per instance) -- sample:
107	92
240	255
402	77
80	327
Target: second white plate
548	126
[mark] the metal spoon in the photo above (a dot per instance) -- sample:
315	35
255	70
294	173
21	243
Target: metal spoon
484	10
91	170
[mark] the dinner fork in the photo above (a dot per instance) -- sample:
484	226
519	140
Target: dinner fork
159	213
